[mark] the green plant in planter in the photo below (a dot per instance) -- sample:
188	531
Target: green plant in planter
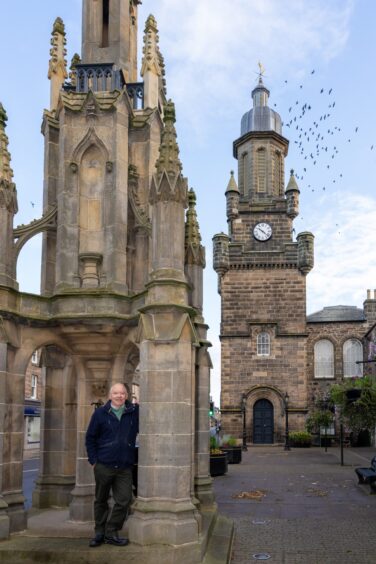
230	445
229	441
214	446
300	439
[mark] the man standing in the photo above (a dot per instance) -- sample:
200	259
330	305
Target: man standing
110	445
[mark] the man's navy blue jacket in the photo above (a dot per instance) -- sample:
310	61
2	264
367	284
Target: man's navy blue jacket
110	441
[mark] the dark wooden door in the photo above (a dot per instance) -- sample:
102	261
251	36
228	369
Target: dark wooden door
263	422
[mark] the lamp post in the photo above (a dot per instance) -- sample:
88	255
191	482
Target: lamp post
325	405
287	445
244	402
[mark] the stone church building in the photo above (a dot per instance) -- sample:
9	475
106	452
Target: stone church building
274	356
121	292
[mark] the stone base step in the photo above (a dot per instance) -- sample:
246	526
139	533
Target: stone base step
52	539
219	548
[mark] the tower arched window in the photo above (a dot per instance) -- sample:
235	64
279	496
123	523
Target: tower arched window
277	172
352	353
261	170
243	180
324	359
263	344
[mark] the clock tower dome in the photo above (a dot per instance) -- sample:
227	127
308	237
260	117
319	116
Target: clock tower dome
262	281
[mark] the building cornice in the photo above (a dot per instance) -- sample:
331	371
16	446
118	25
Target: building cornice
267	135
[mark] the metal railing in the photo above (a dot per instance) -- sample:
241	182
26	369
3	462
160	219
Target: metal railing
102	77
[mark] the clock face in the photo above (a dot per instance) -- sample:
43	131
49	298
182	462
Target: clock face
262	231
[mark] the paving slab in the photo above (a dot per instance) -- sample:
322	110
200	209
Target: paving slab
299	506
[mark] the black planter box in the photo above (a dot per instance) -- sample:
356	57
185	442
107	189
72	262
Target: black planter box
218	464
234	454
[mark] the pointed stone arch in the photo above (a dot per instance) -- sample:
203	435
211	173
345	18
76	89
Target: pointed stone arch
91	138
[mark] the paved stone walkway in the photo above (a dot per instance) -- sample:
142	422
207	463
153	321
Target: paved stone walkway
300	506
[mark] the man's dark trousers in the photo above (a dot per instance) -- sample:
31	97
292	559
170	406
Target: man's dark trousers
120	481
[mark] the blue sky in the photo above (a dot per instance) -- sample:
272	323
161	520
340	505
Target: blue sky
211	50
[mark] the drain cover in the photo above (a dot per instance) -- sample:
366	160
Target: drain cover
262	556
260	521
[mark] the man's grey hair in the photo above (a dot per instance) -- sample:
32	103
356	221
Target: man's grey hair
118	384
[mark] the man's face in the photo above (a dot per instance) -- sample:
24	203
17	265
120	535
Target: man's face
118	395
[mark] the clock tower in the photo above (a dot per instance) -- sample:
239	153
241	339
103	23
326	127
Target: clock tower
262	281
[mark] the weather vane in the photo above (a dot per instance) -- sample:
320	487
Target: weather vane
262	69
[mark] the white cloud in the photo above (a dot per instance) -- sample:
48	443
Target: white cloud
214	45
344	251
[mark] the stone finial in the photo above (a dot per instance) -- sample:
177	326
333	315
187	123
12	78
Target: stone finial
8	193
194	251
6	172
292	197
57	69
168	159
292	185
153	67
232	201
192	229
232	186
76	60
58	27
151	60
168	183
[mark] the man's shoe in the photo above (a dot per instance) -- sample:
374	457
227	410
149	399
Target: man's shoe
113	538
97	540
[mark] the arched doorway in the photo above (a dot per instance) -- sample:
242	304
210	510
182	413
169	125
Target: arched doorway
263	422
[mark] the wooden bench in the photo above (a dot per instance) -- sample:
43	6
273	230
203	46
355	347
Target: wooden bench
368	475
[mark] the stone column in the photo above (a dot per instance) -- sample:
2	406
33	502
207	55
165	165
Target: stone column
4	517
12	391
164	512
93	385
58	432
202	478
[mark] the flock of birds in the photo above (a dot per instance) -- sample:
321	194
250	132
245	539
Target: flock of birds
317	138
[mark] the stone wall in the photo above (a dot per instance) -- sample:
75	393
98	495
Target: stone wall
271	301
337	333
